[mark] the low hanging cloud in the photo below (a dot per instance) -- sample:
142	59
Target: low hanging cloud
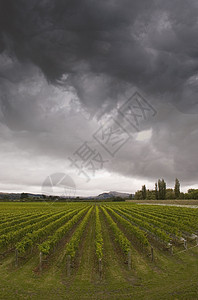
58	58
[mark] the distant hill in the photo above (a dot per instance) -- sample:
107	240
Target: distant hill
10	196
20	196
112	194
17	196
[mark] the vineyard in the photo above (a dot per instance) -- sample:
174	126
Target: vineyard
98	251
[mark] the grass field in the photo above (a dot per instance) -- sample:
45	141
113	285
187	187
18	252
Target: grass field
172	202
121	235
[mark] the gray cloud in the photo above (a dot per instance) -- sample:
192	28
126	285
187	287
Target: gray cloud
58	57
110	43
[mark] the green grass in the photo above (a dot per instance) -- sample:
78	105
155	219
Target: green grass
175	202
168	277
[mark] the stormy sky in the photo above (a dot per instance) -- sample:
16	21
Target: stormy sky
69	71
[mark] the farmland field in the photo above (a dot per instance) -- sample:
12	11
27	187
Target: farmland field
98	251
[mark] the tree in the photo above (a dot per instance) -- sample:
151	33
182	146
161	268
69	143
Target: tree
170	194
161	189
143	192
177	188
138	195
182	196
117	199
150	195
24	195
192	194
156	192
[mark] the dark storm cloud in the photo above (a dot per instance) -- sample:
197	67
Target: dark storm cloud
108	44
54	51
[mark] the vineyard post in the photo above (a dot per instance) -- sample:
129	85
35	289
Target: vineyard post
100	267
40	261
68	265
152	254
129	260
16	258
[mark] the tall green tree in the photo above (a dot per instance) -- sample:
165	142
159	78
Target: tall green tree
143	192
156	192
161	189
177	188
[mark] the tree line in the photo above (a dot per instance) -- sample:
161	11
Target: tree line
161	192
